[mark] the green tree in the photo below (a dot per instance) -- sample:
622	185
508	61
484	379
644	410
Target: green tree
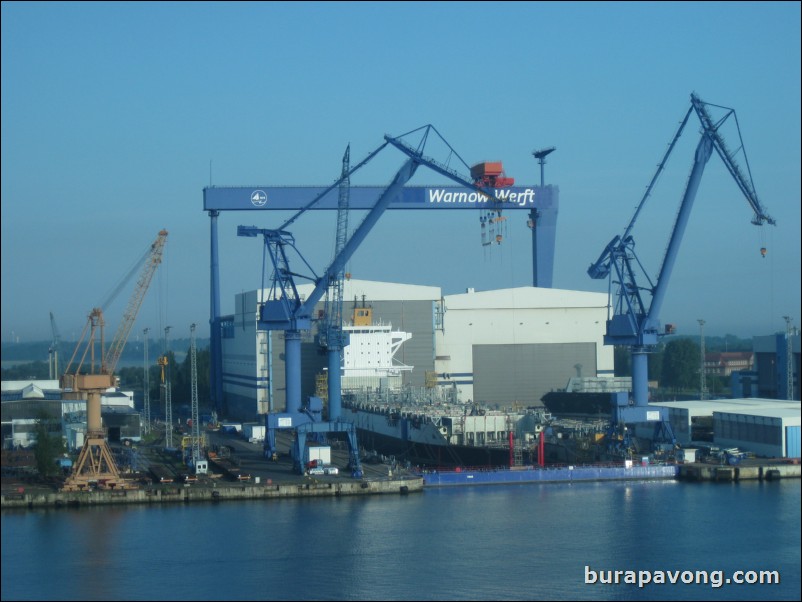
655	359
622	361
48	448
32	370
681	359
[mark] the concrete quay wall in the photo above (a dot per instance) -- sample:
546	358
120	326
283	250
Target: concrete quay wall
767	472
171	494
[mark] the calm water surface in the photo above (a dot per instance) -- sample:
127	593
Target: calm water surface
482	543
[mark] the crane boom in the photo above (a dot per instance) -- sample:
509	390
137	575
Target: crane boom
152	262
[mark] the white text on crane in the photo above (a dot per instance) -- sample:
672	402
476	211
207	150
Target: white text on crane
521	199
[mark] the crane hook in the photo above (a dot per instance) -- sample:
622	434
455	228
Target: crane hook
763	251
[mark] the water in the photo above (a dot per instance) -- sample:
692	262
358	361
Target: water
483	543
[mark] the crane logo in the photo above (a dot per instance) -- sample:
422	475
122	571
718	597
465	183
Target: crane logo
258	198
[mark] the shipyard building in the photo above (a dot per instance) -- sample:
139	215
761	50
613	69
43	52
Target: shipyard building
503	348
25	403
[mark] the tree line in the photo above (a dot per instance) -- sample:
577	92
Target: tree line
133	378
676	364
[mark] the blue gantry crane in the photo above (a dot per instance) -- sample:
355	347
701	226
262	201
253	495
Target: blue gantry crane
283	309
635	319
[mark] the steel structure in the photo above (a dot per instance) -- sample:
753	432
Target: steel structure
95	464
196	437
146	383
540	201
53	350
333	338
535	214
164	361
789	357
635	319
283	309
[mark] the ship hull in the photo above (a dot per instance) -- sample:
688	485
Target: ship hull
422	442
420	453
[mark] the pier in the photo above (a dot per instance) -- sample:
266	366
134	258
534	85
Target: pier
217	492
745	472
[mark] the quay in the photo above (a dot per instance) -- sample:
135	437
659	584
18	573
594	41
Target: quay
171	494
556	474
745	472
266	480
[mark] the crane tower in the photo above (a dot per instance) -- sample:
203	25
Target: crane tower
95	464
635	320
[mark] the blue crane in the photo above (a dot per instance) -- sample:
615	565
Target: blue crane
635	320
283	309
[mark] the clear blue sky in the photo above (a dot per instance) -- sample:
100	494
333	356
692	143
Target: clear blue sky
113	112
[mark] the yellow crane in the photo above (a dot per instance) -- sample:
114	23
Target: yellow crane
95	464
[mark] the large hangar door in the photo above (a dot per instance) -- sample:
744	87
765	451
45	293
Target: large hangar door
505	374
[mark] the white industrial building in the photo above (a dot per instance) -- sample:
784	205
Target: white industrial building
501	347
694	416
515	345
25	402
772	432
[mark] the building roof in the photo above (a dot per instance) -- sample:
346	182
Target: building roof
706	407
18	385
526	296
789	416
728	356
381	291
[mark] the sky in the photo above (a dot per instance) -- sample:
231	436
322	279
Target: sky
116	115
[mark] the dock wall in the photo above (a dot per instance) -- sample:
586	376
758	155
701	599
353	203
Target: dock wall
171	494
769	472
563	474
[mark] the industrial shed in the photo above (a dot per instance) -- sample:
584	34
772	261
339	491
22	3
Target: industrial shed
502	348
692	420
769	432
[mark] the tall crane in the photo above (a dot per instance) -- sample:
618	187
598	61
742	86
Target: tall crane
53	350
95	463
333	338
635	320
196	437
283	309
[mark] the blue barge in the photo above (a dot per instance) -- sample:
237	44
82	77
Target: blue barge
561	474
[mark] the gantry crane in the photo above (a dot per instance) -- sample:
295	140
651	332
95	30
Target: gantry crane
635	320
95	463
284	310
